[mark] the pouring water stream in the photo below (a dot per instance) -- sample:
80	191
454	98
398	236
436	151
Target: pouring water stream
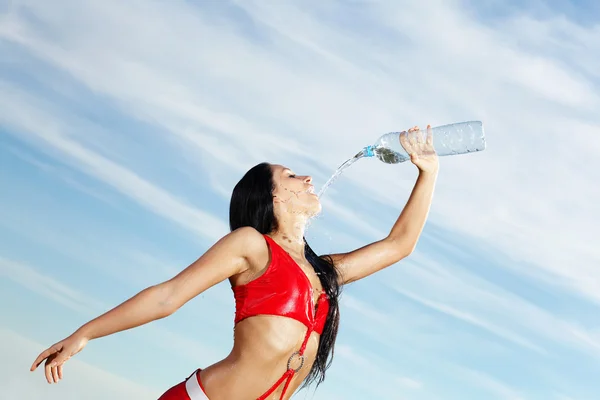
339	171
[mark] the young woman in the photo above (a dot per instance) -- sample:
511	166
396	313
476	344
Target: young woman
287	312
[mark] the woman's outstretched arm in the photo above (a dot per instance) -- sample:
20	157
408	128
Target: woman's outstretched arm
405	233
228	257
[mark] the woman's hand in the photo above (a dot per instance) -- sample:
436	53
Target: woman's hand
421	150
58	354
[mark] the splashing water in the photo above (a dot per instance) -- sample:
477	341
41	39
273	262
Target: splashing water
339	171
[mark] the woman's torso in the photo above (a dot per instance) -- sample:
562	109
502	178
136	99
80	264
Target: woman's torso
279	310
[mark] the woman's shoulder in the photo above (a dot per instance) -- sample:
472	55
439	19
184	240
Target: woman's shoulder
251	241
247	234
254	248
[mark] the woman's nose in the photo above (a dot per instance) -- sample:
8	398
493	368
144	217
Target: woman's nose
308	179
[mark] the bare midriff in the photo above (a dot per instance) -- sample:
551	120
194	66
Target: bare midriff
262	348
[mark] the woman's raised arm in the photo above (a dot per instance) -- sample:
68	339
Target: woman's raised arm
407	229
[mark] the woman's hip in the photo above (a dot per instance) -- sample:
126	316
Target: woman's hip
190	389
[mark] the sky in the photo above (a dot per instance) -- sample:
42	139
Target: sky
124	126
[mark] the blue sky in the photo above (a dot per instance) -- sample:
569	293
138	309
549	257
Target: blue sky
125	124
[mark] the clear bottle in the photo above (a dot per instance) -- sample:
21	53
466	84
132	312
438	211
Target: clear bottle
459	138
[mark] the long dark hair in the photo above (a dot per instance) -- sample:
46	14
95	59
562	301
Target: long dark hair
252	205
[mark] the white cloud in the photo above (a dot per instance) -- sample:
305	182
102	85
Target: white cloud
25	114
456	292
49	287
350	217
63	174
472	319
499	389
409	382
563	397
380	377
350	302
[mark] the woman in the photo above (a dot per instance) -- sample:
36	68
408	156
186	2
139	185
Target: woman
287	311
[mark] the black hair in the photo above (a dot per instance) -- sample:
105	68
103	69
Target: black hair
252	205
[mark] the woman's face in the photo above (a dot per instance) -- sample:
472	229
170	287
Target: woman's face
294	193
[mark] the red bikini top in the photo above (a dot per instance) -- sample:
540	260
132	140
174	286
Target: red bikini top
284	290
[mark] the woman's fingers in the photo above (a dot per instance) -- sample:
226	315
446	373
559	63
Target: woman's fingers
52	366
416	142
415	137
405	142
429	135
48	372
43	355
55	374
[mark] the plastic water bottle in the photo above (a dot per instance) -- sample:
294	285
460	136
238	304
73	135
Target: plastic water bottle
459	138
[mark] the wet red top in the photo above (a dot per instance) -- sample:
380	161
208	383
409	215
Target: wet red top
283	290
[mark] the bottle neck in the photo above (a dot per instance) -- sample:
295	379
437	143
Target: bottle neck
368	151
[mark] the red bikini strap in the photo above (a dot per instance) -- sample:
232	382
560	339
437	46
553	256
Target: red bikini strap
289	374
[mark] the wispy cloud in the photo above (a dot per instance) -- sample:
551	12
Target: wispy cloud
64	174
471	319
498	389
22	115
381	380
460	294
18	383
409	382
48	287
43	285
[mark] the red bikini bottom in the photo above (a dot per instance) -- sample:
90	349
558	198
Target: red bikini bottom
190	389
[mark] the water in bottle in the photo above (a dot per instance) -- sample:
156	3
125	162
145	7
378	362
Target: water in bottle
459	138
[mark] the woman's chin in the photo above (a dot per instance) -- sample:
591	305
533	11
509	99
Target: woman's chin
316	210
